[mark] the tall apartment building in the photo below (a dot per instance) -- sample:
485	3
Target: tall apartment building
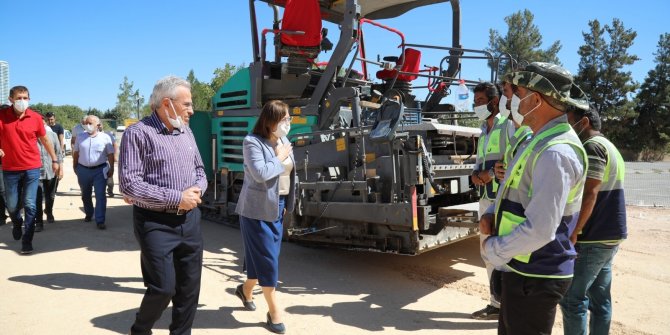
4	82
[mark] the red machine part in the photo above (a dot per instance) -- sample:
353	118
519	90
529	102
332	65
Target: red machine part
302	15
410	61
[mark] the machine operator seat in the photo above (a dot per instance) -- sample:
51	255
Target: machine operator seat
412	62
305	16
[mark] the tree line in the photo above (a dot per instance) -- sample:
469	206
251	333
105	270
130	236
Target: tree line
636	117
131	104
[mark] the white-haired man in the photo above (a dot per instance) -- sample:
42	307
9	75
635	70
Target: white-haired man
91	154
161	173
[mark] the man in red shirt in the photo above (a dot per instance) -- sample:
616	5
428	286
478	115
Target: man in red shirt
20	129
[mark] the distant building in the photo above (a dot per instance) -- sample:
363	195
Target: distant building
4	82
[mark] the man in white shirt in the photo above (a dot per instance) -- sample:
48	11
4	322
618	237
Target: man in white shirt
91	154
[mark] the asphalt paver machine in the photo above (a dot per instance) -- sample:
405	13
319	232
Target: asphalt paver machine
379	168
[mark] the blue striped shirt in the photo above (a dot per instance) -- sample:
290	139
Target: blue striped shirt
156	166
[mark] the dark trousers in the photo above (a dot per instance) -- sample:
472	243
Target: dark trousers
528	304
110	185
171	257
21	191
46	193
90	179
3	208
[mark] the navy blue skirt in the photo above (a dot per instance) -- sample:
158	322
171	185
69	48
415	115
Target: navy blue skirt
262	242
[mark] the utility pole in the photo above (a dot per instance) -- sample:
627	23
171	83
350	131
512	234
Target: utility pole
138	98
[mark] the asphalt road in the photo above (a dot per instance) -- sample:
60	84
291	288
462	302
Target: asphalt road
648	184
81	280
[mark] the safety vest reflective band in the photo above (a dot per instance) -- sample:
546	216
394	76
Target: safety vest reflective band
556	258
520	136
607	223
490	149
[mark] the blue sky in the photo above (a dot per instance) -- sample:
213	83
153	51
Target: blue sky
77	52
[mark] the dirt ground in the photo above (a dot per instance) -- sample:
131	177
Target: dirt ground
81	280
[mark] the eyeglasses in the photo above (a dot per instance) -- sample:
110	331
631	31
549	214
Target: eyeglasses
186	105
288	119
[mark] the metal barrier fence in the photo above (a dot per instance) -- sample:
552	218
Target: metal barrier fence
647	184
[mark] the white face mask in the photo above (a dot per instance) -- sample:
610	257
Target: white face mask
89	128
502	107
514	106
21	105
282	129
482	112
575	129
514	109
177	122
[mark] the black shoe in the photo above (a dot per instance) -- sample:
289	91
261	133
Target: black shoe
87	219
50	219
248	305
39	227
111	195
277	328
101	226
17	232
487	313
26	248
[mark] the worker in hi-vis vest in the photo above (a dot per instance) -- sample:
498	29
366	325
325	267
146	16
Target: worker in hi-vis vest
537	206
601	227
496	131
521	132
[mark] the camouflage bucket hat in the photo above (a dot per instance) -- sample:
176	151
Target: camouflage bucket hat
550	80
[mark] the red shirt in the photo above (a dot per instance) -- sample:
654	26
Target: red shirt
18	139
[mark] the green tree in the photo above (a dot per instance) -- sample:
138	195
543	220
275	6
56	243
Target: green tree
653	105
522	41
145	110
221	76
126	103
603	78
94	111
202	93
67	115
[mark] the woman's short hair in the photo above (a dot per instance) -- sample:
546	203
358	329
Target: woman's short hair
272	113
166	88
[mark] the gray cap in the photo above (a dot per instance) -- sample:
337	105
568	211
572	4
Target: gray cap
550	80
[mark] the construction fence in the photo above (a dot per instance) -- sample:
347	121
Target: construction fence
648	184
